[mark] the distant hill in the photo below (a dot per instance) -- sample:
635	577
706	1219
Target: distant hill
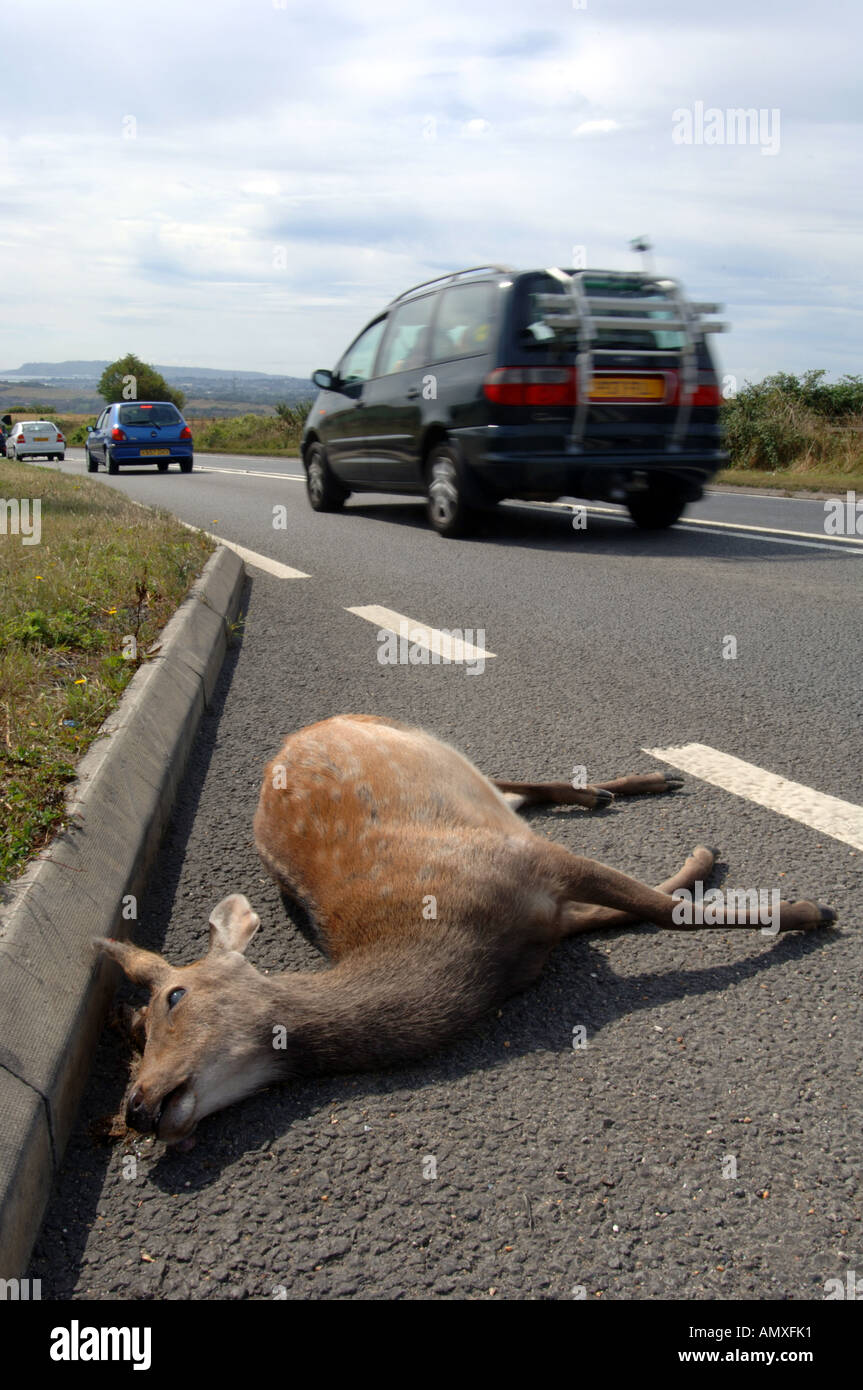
72	385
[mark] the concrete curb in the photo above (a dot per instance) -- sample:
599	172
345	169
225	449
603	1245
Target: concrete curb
53	990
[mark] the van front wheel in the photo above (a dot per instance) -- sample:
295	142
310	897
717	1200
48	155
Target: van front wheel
326	493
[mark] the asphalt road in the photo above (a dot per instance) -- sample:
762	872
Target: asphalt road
705	1143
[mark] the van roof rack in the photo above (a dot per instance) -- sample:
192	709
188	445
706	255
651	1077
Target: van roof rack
589	312
451	277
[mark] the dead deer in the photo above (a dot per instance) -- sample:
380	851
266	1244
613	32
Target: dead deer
433	901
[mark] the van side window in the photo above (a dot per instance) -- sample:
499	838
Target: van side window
465	320
406	343
359	360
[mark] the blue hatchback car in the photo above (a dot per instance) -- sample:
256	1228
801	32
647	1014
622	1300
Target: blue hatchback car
139	432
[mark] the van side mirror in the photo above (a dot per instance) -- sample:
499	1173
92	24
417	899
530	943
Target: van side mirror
323	379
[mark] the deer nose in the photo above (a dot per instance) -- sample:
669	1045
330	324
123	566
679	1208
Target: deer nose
138	1115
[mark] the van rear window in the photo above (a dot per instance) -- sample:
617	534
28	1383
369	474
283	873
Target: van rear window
532	327
158	414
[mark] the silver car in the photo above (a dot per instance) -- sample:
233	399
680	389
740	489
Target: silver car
32	438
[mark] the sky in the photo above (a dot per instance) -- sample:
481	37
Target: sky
243	184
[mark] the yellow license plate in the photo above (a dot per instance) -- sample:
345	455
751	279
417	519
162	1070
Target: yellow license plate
627	388
40	439
150	453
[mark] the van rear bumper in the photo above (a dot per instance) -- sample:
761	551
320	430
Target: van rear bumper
507	472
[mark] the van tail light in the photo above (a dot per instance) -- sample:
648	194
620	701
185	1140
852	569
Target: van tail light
706	391
185	432
20	438
60	439
531	386
117	433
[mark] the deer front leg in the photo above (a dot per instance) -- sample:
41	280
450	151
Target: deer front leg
642	784
591	796
595	883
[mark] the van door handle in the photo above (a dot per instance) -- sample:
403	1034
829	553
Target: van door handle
412	394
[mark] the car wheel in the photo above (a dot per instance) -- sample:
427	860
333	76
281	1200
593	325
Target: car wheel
113	465
655	511
92	465
186	465
162	465
449	510
325	492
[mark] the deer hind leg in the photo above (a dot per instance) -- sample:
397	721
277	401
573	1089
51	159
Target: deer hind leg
594	883
521	794
579	917
591	796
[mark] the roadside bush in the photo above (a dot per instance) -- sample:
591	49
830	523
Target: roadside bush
790	421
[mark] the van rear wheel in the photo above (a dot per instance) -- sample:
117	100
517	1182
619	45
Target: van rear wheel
449	511
654	510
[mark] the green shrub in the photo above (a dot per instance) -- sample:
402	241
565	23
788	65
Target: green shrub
800	421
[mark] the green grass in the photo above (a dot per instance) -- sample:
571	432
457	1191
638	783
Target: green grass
786	480
277	435
104	571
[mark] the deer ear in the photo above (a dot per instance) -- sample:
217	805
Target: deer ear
233	924
142	967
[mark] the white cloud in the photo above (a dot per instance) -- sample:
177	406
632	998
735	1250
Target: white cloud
294	168
596	127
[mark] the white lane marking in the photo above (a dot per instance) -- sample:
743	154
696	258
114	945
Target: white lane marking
707	530
769	533
773	531
777	496
450	648
252	473
263	562
251	557
841	820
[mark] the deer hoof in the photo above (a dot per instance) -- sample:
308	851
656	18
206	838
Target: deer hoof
671	781
603	798
826	914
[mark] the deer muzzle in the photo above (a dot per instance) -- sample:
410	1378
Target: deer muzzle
169	1113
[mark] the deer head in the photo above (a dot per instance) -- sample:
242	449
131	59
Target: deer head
204	1039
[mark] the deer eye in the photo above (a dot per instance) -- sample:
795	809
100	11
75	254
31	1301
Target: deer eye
174	997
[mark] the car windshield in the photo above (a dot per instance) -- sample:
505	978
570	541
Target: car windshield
148	414
533	326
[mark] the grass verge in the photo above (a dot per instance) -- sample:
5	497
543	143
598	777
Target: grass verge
87	581
788	480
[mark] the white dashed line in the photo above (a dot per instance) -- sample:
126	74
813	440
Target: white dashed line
841	820
251	557
436	640
252	473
